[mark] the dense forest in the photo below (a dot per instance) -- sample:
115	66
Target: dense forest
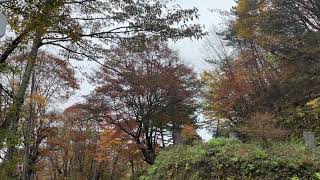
260	96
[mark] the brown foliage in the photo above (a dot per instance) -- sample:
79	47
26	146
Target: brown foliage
262	126
136	90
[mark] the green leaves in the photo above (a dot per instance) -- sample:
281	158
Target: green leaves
317	175
235	159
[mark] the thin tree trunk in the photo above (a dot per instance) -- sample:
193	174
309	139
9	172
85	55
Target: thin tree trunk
28	135
12	119
162	139
132	166
217	134
148	155
94	163
94	170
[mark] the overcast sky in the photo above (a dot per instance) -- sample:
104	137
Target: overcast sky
190	50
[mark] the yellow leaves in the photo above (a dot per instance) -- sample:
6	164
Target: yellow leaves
250	15
205	76
244	30
210	80
109	139
38	99
116	142
315	103
249	7
115	145
242	6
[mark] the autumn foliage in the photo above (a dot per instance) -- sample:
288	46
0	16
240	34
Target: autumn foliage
145	94
273	66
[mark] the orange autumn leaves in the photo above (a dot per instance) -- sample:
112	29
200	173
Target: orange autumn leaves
116	143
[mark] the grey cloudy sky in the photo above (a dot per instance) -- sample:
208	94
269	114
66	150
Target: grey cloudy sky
190	50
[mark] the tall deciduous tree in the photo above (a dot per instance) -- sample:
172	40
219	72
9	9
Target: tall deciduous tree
142	93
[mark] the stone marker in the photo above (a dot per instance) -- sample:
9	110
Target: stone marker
309	140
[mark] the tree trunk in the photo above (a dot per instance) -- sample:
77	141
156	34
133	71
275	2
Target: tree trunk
148	155
162	139
11	121
147	151
217	133
132	166
94	163
28	135
177	135
93	170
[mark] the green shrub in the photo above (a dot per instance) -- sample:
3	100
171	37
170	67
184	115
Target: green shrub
231	159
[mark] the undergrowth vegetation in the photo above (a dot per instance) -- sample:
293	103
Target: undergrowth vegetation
231	159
